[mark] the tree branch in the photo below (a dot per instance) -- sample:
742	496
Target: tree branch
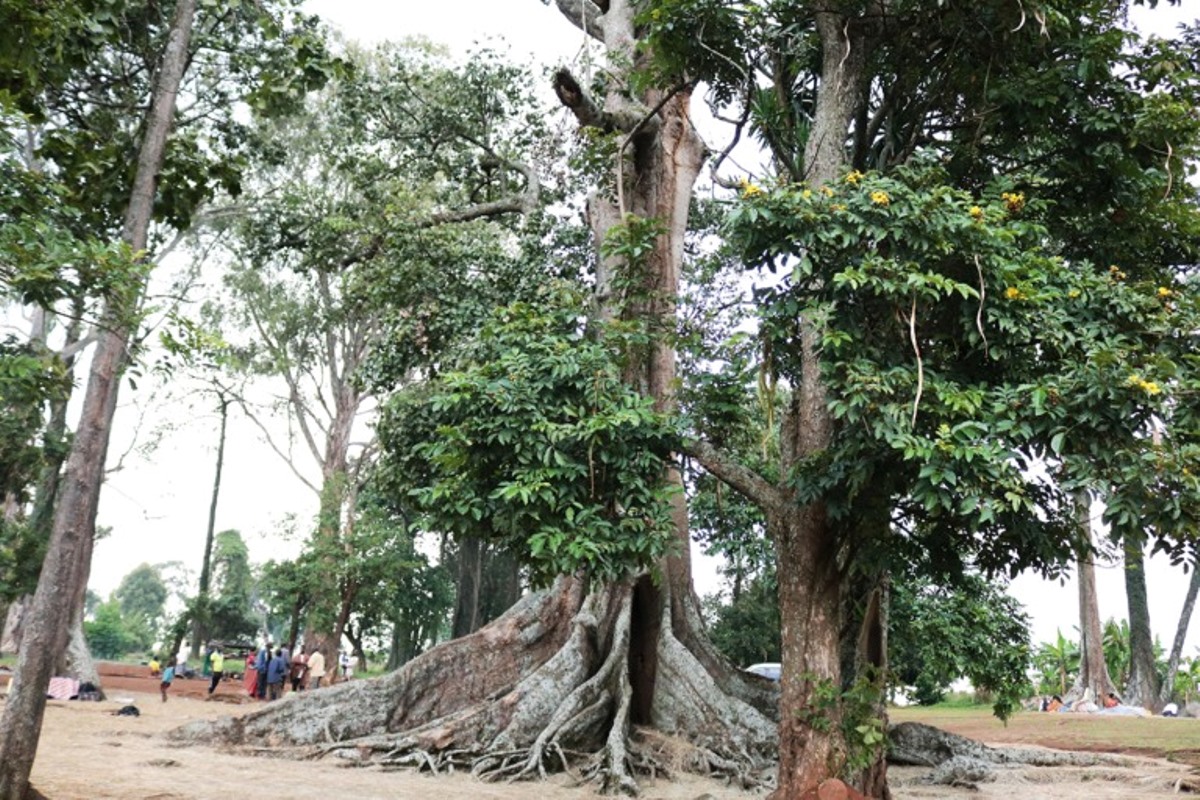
579	102
742	479
585	15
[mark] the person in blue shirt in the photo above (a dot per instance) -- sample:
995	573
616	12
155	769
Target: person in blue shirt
277	670
168	675
260	667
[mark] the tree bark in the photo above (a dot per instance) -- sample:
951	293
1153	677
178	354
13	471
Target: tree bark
811	747
73	531
466	590
1185	619
1143	685
501	584
12	630
1093	669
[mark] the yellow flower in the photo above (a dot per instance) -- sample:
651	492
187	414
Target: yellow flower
1073	294
976	213
749	189
1115	273
1149	387
806	194
880	198
1014	201
825	190
1164	292
854	177
838	206
1012	293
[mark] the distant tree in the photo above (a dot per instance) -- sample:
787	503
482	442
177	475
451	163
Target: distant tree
108	635
746	629
1181	629
232	584
973	630
142	596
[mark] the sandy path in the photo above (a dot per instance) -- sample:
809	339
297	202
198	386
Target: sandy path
88	753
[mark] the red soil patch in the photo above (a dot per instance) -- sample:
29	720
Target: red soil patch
118	679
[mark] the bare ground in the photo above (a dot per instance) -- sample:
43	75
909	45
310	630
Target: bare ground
87	752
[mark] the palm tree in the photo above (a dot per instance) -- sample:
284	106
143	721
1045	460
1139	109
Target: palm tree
1116	650
1058	662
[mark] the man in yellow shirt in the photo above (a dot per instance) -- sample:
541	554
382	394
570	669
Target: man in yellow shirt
316	669
218	669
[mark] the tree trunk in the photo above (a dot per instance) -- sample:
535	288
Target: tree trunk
1143	687
77	662
466	591
294	627
500	585
200	623
1185	619
327	611
47	625
10	633
811	745
1093	669
810	603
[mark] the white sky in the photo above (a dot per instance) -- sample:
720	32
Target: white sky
158	504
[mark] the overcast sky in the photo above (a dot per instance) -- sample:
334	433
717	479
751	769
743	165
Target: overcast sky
158	504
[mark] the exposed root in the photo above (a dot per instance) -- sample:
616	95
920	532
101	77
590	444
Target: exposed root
584	703
546	688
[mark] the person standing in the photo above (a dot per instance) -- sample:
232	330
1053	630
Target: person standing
277	669
250	675
299	668
260	667
217	661
168	675
316	669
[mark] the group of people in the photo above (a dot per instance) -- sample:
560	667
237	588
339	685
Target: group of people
1110	703
267	673
269	670
214	662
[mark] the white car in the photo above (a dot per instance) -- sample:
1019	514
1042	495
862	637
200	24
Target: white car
767	670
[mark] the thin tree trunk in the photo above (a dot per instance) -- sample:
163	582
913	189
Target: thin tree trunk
75	517
1093	677
1185	619
10	625
1143	687
200	622
294	628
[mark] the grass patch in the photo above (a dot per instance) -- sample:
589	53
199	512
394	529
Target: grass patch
1173	738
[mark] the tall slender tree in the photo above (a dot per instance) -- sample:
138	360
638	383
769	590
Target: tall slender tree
69	555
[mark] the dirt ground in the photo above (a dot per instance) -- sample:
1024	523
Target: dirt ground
86	752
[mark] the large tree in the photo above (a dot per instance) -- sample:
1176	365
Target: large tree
388	176
588	659
935	332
